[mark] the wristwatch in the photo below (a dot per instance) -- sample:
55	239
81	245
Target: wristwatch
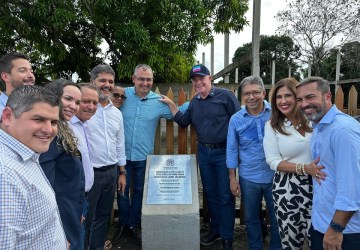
336	226
122	172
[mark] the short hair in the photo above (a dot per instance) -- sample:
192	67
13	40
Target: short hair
144	67
322	85
23	98
6	60
252	80
89	86
101	68
57	86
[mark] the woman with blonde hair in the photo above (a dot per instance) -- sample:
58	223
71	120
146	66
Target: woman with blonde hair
62	163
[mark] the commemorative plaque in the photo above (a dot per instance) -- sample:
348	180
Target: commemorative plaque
170	217
169	180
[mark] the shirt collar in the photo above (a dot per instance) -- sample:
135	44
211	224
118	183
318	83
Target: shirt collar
3	98
23	151
211	93
267	107
141	98
75	119
329	116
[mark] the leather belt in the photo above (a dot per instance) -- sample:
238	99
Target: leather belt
104	168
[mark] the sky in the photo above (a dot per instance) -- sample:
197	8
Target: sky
268	26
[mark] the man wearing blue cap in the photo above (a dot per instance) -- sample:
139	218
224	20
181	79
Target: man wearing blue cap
209	112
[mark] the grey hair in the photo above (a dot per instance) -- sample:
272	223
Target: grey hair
101	68
89	86
144	67
252	80
23	98
322	85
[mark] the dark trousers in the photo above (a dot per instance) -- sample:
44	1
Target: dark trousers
350	241
101	199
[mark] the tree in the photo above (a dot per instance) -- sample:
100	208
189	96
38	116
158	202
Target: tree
278	48
350	62
64	36
317	26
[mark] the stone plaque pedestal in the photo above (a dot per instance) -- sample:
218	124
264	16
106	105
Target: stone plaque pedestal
174	225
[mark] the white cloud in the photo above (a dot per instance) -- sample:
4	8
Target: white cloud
268	26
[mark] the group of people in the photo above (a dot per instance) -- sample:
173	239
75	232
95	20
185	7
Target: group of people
66	148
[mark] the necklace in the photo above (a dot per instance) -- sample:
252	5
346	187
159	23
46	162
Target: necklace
289	123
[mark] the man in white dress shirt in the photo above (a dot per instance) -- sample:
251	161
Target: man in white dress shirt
107	148
87	108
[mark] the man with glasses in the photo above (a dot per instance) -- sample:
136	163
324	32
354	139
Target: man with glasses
245	152
142	112
210	111
118	96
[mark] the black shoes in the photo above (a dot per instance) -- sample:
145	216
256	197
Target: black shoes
227	245
120	232
136	233
209	238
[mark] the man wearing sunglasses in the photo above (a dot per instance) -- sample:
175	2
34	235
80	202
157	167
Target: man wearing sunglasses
118	96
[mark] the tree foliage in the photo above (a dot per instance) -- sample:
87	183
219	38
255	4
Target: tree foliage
350	62
279	48
64	36
317	26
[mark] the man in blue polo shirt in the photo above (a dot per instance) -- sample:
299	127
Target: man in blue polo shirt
210	111
336	141
245	152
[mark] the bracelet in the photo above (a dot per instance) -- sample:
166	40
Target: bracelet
303	169
300	168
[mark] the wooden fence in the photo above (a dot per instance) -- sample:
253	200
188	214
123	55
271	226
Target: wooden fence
171	139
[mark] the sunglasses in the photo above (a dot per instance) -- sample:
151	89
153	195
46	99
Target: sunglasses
116	95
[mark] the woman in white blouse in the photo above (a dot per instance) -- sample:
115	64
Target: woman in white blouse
287	151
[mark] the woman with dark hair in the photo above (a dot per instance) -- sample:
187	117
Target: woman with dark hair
287	151
62	163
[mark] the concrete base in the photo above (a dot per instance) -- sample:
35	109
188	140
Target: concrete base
171	226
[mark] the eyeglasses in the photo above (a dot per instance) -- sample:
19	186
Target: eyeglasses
116	95
142	79
254	94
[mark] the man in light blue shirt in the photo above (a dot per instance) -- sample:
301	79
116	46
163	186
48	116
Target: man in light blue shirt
245	152
142	112
15	71
336	140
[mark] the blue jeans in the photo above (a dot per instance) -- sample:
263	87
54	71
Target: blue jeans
251	196
216	187
129	211
350	241
101	200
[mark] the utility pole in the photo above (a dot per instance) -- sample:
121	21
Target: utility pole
255	57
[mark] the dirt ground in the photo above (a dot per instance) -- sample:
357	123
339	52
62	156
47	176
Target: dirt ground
239	239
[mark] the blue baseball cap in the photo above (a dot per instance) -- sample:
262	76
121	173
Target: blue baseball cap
200	70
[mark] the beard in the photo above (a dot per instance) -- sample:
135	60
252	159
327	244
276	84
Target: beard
320	111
